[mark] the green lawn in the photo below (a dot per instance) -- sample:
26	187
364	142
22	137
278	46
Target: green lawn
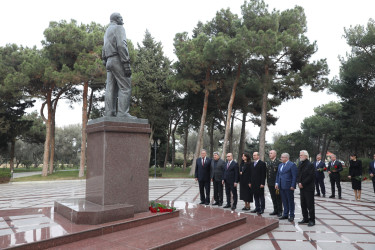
73	175
22	170
63	175
172	173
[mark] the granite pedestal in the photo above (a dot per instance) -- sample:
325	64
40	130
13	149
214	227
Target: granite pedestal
117	172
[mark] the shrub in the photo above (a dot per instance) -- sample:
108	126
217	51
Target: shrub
5	175
151	172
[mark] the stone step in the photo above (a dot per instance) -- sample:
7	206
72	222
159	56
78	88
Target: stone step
236	236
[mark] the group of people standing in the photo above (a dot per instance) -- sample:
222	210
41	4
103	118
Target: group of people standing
282	176
334	168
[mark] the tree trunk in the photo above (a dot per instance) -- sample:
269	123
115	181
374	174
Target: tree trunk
263	122
212	137
229	115
12	152
167	149
48	133
230	148
90	104
52	144
173	149
173	132
241	148
186	136
82	163
324	141
201	129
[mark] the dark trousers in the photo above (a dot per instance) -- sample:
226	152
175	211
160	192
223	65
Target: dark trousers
118	88
259	200
276	199
229	187
335	178
218	191
307	205
373	183
202	186
319	182
287	196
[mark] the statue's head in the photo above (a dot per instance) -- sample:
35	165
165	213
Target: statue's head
117	18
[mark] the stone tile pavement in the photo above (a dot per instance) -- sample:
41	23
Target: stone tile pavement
341	224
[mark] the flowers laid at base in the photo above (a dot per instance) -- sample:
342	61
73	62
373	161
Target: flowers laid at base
158	207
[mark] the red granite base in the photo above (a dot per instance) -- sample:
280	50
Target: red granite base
81	211
52	230
196	227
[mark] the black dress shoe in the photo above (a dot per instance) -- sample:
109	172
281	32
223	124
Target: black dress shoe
202	202
283	217
324	195
317	195
207	203
303	221
280	214
332	196
274	213
220	204
260	212
227	206
233	207
244	208
311	223
215	204
340	197
253	211
291	219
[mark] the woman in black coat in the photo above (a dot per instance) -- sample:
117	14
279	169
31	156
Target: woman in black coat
245	174
355	174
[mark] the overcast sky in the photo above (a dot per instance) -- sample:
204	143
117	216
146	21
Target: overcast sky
23	22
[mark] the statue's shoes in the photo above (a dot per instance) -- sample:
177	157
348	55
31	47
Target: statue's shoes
127	115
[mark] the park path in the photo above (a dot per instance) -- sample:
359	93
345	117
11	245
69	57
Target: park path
341	224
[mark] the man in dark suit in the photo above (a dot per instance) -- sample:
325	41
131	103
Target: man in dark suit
231	179
334	169
306	181
286	179
272	167
372	172
319	175
257	182
202	175
217	171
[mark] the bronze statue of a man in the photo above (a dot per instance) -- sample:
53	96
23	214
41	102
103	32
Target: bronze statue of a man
116	58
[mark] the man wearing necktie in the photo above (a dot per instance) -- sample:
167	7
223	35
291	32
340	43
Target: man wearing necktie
231	179
286	180
372	172
334	169
202	175
257	182
319	175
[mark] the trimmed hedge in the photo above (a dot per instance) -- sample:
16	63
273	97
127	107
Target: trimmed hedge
5	175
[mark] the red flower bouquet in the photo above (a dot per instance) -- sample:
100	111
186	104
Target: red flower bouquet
158	207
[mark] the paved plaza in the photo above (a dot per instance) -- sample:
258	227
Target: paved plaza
341	224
